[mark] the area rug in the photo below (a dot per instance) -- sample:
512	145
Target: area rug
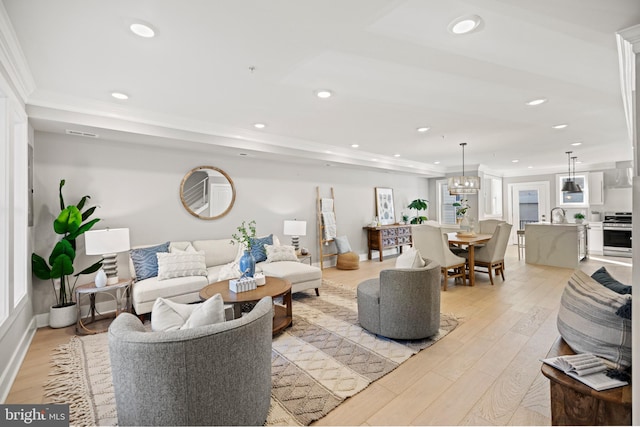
321	360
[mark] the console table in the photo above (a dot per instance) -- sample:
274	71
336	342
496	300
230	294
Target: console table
574	403
387	236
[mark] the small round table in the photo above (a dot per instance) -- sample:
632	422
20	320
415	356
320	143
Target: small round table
274	287
121	298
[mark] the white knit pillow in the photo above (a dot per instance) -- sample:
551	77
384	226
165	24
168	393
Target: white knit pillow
181	264
410	258
280	253
168	315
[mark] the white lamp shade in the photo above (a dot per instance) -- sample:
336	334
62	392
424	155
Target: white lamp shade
295	228
463	184
109	241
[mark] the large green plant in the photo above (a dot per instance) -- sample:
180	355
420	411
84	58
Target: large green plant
70	223
419	205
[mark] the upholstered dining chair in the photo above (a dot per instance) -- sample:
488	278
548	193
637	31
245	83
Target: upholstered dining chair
488	226
402	303
217	374
433	244
491	256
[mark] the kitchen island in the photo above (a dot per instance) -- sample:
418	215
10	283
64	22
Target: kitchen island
558	245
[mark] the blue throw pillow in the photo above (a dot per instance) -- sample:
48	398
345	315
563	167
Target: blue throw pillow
145	261
603	277
257	247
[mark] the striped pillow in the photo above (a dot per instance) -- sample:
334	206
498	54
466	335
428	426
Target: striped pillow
588	322
171	265
145	261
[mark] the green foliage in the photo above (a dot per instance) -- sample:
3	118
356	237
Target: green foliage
579	216
246	232
69	224
462	207
419	205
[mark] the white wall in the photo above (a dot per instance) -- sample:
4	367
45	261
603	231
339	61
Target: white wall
137	186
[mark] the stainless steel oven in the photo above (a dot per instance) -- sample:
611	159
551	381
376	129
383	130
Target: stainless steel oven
616	234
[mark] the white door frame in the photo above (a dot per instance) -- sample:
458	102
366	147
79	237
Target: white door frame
544	201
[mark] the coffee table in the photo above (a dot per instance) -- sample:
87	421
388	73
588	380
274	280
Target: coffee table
274	287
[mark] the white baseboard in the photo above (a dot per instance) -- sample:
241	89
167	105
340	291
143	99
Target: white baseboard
11	370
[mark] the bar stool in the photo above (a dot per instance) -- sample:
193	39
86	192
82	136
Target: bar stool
520	234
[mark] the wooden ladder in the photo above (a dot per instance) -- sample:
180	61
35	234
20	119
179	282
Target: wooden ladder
322	241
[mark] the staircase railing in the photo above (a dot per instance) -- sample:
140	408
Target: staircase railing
196	195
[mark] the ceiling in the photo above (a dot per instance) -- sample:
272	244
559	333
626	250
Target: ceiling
215	68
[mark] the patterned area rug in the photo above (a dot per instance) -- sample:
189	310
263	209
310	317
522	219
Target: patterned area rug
324	358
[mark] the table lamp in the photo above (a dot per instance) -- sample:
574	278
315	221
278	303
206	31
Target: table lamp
107	243
295	229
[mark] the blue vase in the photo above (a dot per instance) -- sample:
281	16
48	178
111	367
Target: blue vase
247	264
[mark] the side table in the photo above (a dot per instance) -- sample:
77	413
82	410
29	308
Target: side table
121	298
304	258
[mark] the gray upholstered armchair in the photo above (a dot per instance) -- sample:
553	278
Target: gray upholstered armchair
211	375
401	303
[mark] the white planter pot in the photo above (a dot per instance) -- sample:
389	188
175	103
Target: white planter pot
61	317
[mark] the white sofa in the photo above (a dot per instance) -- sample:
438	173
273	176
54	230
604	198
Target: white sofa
218	254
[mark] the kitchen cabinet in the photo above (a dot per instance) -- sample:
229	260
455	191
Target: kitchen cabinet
595	238
596	188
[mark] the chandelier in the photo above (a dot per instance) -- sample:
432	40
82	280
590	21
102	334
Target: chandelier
463	184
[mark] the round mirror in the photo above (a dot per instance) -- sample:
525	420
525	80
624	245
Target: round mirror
207	192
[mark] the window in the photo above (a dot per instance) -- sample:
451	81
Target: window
446	201
578	200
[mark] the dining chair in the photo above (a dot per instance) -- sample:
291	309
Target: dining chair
433	244
491	256
488	226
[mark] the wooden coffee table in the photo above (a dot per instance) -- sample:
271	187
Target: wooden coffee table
274	287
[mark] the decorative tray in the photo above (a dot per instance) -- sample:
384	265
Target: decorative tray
466	233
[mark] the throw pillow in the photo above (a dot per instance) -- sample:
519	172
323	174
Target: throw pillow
181	264
189	248
588	322
145	261
603	277
257	247
167	315
280	253
207	313
342	244
410	258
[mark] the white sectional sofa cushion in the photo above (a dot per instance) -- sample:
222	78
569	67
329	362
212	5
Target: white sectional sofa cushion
218	254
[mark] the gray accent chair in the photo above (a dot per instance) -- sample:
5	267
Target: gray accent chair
402	303
211	375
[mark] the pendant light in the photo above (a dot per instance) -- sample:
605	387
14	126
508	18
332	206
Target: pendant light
569	185
463	184
573	159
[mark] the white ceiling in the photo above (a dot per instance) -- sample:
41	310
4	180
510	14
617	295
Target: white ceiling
392	65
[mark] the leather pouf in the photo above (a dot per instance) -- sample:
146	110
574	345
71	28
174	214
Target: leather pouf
348	261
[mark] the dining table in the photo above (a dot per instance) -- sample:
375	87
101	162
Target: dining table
470	241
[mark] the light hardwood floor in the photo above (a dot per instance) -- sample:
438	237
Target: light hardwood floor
485	372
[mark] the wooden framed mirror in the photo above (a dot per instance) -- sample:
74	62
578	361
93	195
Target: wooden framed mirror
207	192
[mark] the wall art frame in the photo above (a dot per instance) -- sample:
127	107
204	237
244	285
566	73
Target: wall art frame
384	206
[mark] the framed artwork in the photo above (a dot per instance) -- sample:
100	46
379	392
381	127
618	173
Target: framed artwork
384	206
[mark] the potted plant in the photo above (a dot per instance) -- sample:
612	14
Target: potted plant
462	206
245	235
70	223
579	217
419	205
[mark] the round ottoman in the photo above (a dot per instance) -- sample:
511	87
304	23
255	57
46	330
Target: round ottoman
348	261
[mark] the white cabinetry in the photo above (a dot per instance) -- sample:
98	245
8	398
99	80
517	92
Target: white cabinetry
596	188
595	238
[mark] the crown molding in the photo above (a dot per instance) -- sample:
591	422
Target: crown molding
12	59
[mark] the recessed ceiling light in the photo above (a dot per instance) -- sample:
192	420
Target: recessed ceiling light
575	144
560	126
120	95
578	161
423	129
396	155
437	162
355	145
538	101
515	161
142	30
374	160
259	125
324	93
465	24
529	167
329	152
